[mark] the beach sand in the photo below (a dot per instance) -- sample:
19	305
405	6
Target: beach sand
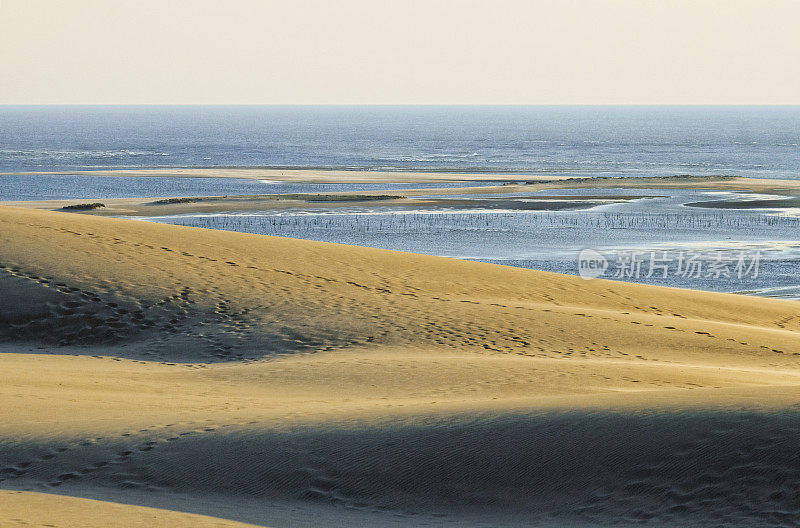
174	376
491	196
310	175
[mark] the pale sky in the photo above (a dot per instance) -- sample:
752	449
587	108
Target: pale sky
400	52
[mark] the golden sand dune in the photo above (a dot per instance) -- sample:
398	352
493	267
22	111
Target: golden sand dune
21	508
293	383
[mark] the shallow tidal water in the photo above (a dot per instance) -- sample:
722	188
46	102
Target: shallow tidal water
19	187
654	240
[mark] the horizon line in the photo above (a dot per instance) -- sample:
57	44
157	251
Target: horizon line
411	104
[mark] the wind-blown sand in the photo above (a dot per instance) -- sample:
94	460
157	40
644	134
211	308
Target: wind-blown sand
291	383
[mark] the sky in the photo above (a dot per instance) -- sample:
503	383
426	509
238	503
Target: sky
399	52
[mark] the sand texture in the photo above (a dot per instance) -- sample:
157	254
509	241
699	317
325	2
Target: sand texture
156	375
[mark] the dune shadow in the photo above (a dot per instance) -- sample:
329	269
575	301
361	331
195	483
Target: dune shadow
732	468
54	317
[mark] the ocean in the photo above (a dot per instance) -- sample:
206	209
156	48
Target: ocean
759	142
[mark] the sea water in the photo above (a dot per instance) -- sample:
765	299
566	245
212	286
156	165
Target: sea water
760	142
751	141
655	226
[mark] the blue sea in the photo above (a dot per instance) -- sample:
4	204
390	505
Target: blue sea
758	142
762	142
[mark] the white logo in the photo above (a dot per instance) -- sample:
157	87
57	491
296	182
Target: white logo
591	264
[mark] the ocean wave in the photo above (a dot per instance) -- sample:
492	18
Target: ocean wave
46	154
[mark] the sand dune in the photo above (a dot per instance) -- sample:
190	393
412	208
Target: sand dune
293	383
22	508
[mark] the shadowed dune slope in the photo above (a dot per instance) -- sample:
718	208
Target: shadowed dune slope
293	383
